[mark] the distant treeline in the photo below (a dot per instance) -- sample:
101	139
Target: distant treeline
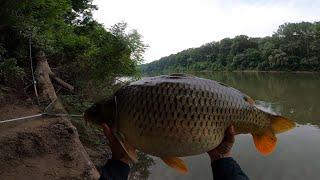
293	47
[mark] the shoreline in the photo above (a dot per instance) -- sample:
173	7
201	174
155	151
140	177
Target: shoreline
238	71
256	71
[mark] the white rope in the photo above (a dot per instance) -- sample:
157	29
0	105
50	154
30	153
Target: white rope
21	118
49	106
62	115
32	71
39	115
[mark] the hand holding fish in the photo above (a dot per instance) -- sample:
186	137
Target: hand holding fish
118	153
224	149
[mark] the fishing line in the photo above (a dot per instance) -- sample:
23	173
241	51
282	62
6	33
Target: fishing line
49	115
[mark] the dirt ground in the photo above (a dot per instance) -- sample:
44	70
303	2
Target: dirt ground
43	148
52	148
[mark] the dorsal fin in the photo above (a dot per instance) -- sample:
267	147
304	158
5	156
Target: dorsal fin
179	76
249	100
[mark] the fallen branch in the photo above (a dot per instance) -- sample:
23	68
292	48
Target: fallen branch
61	82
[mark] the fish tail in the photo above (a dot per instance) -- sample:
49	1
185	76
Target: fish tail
280	124
266	142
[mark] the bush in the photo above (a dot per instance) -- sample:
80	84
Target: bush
11	74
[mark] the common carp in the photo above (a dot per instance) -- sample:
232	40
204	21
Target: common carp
180	115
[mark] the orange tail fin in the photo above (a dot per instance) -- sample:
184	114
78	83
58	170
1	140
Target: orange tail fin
281	124
266	142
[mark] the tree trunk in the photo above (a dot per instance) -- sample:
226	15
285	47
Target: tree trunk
46	89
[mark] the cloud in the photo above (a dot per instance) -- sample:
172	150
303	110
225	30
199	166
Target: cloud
169	26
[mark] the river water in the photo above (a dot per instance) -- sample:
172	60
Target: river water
297	155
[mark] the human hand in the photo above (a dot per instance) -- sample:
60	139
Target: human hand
118	153
224	148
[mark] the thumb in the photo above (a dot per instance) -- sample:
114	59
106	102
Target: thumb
230	133
107	131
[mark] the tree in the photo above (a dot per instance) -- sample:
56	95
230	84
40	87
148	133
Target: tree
278	59
240	44
247	60
133	40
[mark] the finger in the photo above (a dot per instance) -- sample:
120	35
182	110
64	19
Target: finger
234	132
106	130
231	130
229	136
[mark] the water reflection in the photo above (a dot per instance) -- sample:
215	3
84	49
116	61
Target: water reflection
295	95
297	155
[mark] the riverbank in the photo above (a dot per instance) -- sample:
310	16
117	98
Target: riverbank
235	71
42	148
52	148
257	71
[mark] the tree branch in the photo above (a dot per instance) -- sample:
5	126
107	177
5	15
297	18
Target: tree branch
61	82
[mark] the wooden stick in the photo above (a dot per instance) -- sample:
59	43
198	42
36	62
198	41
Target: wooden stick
61	82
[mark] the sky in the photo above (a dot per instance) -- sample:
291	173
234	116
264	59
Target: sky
170	26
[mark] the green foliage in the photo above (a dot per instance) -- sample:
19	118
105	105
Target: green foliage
80	48
293	47
278	59
140	169
10	73
132	39
249	59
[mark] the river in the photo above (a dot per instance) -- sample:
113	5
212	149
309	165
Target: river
297	155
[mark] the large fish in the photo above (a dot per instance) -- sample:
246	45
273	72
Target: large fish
180	115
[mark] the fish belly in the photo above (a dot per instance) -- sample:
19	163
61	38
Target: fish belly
173	139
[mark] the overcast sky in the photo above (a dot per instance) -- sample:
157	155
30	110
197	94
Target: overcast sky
169	26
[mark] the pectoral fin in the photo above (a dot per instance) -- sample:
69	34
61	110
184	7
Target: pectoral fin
176	163
130	150
265	143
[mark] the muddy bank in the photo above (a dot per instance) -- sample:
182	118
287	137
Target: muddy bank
54	148
43	148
